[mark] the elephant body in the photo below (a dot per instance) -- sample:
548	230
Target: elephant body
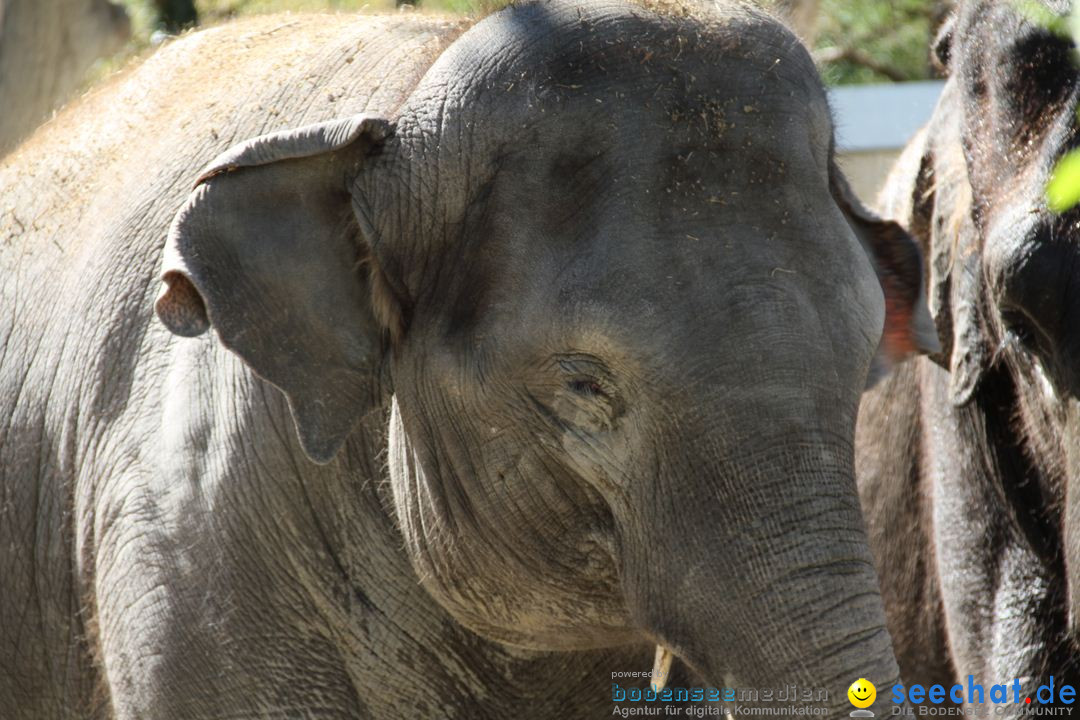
46	51
202	526
966	460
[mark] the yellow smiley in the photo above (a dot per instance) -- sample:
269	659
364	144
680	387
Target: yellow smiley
862	693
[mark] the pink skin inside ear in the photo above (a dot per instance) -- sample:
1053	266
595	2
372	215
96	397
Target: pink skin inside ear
898	339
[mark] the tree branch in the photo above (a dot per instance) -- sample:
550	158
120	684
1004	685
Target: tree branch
824	56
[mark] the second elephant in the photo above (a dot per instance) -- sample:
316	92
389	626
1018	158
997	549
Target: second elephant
968	462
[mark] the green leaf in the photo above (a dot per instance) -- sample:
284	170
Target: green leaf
1063	190
1074	30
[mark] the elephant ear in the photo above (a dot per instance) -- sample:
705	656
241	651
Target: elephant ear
267	251
896	259
941	199
957	263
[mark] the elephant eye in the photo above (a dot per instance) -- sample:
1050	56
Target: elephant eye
1022	330
586	395
587	388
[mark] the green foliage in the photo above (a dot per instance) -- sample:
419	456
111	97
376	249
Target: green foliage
894	36
1063	190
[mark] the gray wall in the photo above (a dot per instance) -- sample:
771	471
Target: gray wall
873	124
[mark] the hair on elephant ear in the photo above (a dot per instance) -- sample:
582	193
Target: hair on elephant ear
267	250
941	216
896	259
942	47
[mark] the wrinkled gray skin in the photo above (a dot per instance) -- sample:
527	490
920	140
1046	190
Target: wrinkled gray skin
967	463
46	50
590	288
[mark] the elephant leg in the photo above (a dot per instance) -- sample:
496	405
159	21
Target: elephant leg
892	489
203	591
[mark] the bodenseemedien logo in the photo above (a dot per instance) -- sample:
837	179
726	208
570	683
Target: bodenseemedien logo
862	694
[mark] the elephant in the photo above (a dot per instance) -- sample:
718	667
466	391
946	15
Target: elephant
537	346
965	458
46	51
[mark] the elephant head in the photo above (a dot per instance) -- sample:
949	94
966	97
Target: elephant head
621	305
1003	276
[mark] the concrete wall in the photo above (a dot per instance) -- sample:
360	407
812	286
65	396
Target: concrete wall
873	124
866	171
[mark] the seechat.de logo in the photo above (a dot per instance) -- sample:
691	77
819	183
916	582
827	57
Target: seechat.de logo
1052	692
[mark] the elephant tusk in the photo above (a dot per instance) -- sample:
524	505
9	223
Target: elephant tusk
661	667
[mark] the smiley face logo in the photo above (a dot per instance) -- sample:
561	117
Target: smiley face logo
862	693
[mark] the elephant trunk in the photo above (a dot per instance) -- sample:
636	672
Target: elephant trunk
765	582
